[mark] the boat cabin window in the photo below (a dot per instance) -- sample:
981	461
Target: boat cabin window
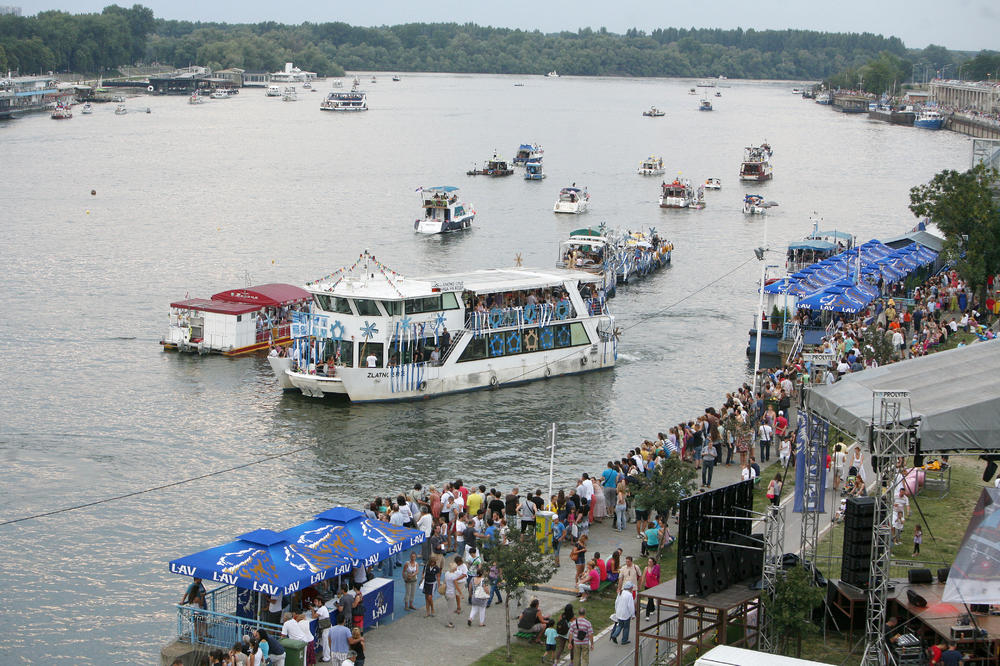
392	308
449	301
332	303
341	352
426	304
525	341
367	307
239	317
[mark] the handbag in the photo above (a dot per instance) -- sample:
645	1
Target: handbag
481	592
324	623
442	588
581	634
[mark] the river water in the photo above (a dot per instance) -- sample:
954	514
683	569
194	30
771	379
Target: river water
192	199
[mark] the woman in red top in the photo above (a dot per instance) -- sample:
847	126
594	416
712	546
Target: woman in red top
650	578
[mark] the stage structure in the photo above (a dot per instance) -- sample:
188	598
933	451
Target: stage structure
774	550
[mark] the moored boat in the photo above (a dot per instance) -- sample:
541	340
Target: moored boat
443	211
677	194
651	166
62	111
572	200
495	166
929	119
219	94
533	169
374	336
823	98
654	112
235	321
525	152
756	165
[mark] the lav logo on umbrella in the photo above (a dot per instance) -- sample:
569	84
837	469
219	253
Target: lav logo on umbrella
252	563
318	549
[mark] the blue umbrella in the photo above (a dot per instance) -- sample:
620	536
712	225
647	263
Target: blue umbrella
835	299
353	536
266	561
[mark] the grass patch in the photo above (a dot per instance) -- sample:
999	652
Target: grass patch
599	610
955	338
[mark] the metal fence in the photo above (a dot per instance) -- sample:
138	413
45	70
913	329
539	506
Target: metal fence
206	627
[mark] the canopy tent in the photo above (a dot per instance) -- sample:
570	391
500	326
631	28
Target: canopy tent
975	575
836	299
954	396
361	540
266	561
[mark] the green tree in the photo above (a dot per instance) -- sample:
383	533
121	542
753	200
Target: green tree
963	204
791	606
672	481
522	565
875	344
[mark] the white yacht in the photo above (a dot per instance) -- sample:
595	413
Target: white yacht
443	211
289	94
572	200
375	336
355	100
273	91
756	163
678	194
651	166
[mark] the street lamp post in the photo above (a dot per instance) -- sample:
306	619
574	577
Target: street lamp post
760	308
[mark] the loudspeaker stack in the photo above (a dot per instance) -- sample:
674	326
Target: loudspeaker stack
858	520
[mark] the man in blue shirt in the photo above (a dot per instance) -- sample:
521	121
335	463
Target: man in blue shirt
491	529
610	476
338	638
558	536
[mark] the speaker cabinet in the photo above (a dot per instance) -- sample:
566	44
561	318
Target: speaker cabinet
943	575
919	576
915	599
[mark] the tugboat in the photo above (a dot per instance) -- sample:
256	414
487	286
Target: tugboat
678	194
496	166
526	152
653	113
572	200
62	112
533	169
651	166
756	164
443	211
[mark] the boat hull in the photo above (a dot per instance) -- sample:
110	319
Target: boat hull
569	207
443	227
935	124
652	172
202	348
675	202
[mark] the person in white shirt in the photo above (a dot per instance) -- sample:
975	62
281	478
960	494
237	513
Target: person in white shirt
274	608
839	460
766	434
371	360
291	628
323	613
748	472
426	524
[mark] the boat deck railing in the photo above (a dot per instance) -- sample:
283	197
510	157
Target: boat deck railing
274	332
214	628
531	315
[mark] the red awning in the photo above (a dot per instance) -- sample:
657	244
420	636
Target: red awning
221	307
265	295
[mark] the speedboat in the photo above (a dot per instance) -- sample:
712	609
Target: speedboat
572	200
195	98
653	113
552	75
713	184
219	94
692	91
120	110
533	169
307	86
929	119
678	194
718	93
289	94
756	165
527	151
443	211
374	80
651	166
706	105
62	111
273	91
87	109
369	332
495	166
755	204
395	77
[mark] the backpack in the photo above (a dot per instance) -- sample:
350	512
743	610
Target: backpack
562	627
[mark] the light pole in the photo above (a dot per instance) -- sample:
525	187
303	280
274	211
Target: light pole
760	252
552	458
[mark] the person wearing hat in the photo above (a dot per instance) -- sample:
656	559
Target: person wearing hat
624	612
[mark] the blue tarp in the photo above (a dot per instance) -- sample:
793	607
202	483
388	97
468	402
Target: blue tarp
266	561
441	188
818	245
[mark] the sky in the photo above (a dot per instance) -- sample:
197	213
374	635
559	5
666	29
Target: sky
969	25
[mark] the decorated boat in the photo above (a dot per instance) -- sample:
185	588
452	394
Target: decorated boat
345	101
495	166
706	105
639	254
572	200
651	166
443	211
533	169
591	250
526	152
756	165
62	111
755	204
236	321
372	335
713	184
654	113
677	194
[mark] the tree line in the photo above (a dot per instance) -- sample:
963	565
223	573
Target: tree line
91	43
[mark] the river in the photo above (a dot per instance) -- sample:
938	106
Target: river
193	199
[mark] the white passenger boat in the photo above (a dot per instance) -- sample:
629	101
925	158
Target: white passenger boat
87	109
375	336
572	200
678	194
354	100
713	184
756	164
219	94
289	94
651	166
273	91
443	211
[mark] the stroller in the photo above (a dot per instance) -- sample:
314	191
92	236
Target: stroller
852	477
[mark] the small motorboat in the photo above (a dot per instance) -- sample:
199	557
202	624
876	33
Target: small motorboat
518	85
307	86
289	95
87	109
692	91
148	110
395	77
572	200
651	166
120	110
533	169
755	204
62	112
373	79
118	99
654	113
219	94
706	105
718	93
713	184
195	98
443	211
552	75
337	83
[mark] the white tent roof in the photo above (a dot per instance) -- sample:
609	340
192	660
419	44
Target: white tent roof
955	395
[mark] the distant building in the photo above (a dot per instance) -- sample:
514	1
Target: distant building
256	79
292	74
980	96
233	75
9	10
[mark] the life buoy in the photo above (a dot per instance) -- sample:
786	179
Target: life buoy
422	386
494	382
583	360
548	372
149	88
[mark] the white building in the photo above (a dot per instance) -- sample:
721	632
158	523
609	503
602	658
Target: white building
292	74
980	96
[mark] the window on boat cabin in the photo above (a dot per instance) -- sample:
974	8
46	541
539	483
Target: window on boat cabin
341	351
332	303
475	350
426	304
392	308
449	301
368	348
239	317
367	307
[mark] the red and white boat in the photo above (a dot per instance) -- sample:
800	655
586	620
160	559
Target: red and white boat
62	111
235	321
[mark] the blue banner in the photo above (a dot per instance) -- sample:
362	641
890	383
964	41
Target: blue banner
801	440
810	465
379	594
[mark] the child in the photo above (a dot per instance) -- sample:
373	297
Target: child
550	641
918	537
